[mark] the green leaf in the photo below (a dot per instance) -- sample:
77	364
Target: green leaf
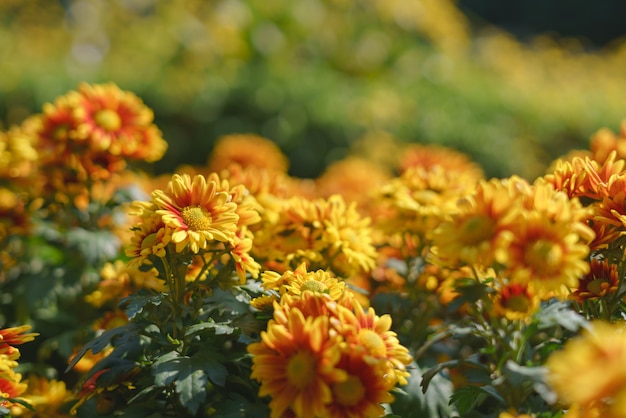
467	398
95	246
166	369
211	363
99	343
135	303
559	313
191	387
411	402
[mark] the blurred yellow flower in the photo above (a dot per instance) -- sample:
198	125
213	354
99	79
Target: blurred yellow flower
589	371
247	150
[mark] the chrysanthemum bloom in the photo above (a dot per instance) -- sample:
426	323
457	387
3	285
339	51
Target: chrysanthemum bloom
150	236
196	212
47	397
319	281
550	243
239	250
11	385
18	156
479	232
327	234
296	364
355	179
419	200
371	336
247	150
605	141
602	279
119	280
547	256
16	336
429	156
514	302
514	414
590	369
99	124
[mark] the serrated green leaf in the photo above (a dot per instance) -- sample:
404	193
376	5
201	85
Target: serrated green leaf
211	363
467	398
99	343
135	303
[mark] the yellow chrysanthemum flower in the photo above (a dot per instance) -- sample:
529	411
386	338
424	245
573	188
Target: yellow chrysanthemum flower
196	212
47	397
326	233
589	371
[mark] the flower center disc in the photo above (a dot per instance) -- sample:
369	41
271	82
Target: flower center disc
196	218
108	120
544	255
349	392
314	286
301	369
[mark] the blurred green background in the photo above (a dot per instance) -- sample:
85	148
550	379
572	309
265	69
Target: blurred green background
513	87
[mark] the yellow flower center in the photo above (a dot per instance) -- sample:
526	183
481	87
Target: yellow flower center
349	392
314	286
373	342
544	255
60	132
598	287
108	119
517	303
301	369
477	229
196	218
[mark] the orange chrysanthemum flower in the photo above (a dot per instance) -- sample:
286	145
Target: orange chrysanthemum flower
247	150
296	364
602	279
196	212
589	371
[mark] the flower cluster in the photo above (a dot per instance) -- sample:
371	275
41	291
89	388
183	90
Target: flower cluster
242	288
322	353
